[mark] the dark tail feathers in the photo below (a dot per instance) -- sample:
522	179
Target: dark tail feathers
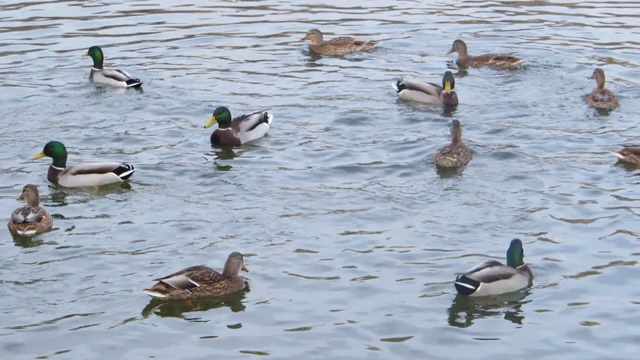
465	285
124	171
400	86
134	83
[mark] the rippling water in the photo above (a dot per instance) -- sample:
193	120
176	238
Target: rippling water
352	237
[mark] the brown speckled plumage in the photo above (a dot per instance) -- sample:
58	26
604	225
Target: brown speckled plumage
498	61
600	97
30	219
455	154
336	46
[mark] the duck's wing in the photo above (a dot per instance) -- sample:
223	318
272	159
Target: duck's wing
428	88
500	60
344	45
191	278
249	127
491	271
115	77
342	41
602	98
28	214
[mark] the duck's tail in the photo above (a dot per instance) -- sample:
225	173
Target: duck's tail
124	171
399	86
465	285
134	83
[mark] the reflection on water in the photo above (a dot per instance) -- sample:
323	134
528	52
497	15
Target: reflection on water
465	310
177	308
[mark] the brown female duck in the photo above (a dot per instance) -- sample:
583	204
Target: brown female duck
30	219
199	281
336	46
455	154
601	98
497	61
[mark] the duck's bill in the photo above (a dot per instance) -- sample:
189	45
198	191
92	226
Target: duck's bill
447	86
85	54
20	197
450	51
39	156
211	122
244	268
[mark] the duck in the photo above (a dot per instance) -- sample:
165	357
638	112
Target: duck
89	174
429	93
601	98
114	77
497	61
241	130
629	154
494	278
456	154
336	46
31	219
199	281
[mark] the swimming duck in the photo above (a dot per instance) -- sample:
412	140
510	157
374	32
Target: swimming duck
455	154
198	281
241	130
30	219
336	46
498	61
429	93
601	98
89	174
494	278
114	77
629	154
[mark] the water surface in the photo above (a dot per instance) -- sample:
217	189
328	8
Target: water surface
351	235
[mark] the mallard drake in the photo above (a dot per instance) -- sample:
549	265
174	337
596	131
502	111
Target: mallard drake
493	278
114	77
498	61
336	46
198	281
89	174
30	219
455	154
429	93
601	98
241	130
629	154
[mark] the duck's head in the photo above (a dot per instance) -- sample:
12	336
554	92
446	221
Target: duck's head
515	253
30	195
449	96
448	82
96	55
221	116
598	75
56	151
314	36
458	46
235	263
